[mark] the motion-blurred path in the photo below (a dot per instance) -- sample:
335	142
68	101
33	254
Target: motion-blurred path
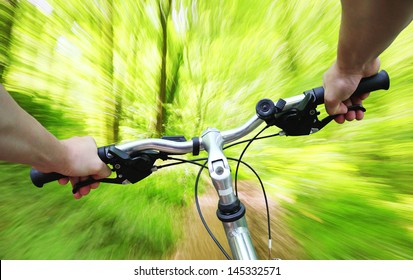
196	243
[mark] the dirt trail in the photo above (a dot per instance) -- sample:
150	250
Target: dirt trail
197	245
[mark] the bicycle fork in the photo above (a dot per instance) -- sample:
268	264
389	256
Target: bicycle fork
230	211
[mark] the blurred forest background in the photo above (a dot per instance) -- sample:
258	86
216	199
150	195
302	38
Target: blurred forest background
121	70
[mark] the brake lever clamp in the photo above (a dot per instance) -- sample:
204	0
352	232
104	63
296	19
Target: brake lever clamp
129	169
300	119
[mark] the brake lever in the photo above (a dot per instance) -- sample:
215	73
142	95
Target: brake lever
318	125
91	180
129	169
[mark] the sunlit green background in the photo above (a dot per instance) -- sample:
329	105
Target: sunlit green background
123	69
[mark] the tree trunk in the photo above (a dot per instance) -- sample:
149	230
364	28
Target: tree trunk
113	118
160	120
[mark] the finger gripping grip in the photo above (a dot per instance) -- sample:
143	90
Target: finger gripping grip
39	178
379	81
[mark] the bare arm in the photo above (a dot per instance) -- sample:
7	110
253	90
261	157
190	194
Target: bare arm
24	140
368	27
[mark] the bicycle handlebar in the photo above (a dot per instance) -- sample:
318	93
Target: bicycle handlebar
127	151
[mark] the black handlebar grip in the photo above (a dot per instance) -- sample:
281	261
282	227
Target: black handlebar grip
379	81
39	178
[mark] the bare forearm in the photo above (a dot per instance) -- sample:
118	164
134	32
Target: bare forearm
368	27
23	139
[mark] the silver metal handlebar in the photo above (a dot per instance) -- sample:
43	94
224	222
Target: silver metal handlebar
181	148
162	145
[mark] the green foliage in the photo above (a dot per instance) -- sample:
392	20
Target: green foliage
117	222
94	67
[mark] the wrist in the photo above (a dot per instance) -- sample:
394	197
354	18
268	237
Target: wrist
55	159
64	160
361	68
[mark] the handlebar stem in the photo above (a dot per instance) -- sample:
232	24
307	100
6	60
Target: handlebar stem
218	165
236	228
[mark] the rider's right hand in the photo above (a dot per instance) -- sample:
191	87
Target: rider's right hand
340	84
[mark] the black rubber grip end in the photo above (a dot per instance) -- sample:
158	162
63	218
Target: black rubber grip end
39	178
379	81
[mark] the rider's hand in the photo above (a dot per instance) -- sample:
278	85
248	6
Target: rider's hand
79	161
339	85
